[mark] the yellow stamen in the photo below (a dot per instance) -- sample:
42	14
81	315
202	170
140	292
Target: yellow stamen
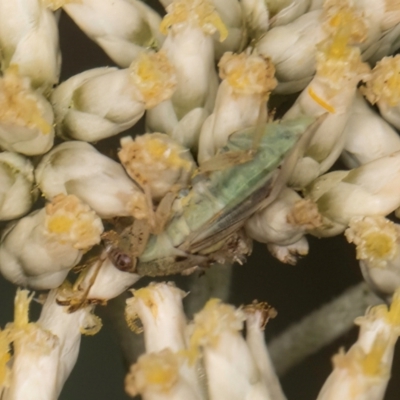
384	84
200	13
21	309
71	221
248	73
18	104
4	356
375	239
154	76
320	101
393	316
371	363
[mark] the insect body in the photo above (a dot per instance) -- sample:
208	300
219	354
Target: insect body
206	222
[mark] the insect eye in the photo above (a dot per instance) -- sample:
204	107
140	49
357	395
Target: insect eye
121	260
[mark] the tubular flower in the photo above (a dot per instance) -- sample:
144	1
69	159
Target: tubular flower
189	46
377	242
122	28
17	192
68	327
332	90
257	316
26	117
230	12
248	80
216	331
157	162
41	248
161	376
29	40
159	308
103	102
78	168
367	135
36	354
364	371
383	89
370	190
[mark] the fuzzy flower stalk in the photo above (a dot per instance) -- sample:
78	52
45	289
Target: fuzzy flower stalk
103	102
40	249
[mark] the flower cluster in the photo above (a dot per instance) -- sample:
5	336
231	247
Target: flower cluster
247	106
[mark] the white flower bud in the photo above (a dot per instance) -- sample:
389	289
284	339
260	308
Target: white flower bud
68	328
189	47
284	221
78	168
283	224
26	117
157	162
17	193
122	28
103	102
383	89
382	18
332	90
292	47
282	45
370	190
367	135
29	40
40	249
159	308
247	82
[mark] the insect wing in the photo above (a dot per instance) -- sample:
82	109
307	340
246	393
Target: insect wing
245	188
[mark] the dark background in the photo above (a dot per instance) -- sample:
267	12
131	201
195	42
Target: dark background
294	291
